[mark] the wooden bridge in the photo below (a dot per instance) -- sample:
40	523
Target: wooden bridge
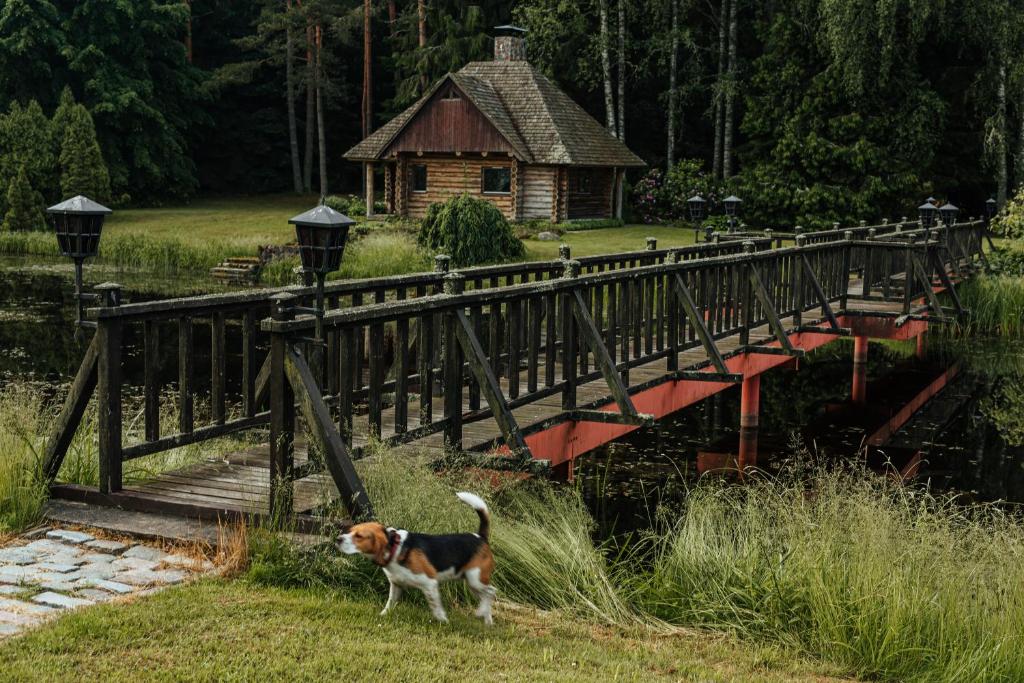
522	366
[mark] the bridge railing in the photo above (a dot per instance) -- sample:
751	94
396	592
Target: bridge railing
208	355
394	337
508	347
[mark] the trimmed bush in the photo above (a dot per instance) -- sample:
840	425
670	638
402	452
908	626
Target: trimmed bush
1010	221
470	230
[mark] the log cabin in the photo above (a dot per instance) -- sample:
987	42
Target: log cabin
503	131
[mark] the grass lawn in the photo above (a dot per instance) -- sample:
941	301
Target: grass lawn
231	630
260	219
610	241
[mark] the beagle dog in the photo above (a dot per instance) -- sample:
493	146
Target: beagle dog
422	561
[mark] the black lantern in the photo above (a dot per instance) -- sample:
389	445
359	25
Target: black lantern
949	214
732	208
991	208
78	223
698	208
321	233
928	213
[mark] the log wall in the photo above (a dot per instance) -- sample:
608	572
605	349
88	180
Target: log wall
449	176
538	191
596	202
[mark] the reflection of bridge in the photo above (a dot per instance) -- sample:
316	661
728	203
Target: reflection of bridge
521	366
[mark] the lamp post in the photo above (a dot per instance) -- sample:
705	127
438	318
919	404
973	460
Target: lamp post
732	207
949	214
78	223
321	233
927	212
698	210
991	209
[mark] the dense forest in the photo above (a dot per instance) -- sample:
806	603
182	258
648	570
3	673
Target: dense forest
810	109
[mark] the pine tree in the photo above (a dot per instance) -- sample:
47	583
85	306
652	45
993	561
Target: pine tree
25	141
83	170
25	210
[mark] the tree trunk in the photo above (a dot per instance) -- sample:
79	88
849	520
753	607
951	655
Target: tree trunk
188	32
716	170
606	70
289	70
1019	165
392	16
307	170
421	8
321	133
622	70
1000	146
367	68
730	94
670	146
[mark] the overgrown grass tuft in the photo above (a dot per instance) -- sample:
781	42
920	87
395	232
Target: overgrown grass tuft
996	305
885	581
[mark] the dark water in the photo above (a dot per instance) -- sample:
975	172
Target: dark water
970	436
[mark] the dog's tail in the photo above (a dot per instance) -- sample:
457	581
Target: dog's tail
477	503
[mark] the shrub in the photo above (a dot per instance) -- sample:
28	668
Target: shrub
471	231
661	197
24	206
1010	221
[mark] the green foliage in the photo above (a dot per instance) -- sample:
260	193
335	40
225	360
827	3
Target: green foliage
1010	220
661	197
818	154
25	142
24	210
578	224
31	41
471	231
82	168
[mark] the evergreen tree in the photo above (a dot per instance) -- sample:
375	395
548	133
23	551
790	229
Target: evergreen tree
82	168
25	206
31	40
26	142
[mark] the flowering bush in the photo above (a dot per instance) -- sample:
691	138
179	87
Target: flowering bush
661	197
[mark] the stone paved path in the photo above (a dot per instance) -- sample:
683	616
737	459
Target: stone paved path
54	570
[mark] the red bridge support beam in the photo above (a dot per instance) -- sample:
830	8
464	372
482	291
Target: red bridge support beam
859	393
750	408
922	346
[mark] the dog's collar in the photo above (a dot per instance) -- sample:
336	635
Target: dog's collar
394	543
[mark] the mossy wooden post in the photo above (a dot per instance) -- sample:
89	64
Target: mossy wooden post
108	390
569	354
282	412
442	264
799	289
673	317
844	271
454	284
745	296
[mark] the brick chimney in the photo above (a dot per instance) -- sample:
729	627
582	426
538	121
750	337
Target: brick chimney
509	44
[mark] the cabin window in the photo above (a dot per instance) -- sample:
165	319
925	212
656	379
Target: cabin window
584	181
419	178
497	180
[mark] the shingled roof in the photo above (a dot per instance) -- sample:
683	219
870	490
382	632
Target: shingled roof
541	123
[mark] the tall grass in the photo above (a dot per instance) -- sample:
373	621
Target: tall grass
378	254
887	582
996	305
25	420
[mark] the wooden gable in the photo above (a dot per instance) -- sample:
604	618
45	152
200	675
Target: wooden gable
449	123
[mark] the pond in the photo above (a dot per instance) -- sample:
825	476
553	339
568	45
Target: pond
969	437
